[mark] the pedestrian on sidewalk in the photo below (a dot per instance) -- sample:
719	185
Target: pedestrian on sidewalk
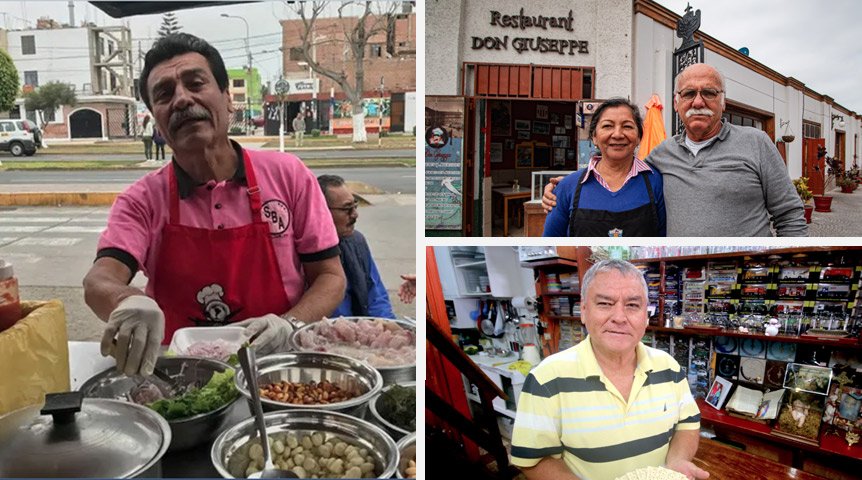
298	129
225	235
159	140
147	137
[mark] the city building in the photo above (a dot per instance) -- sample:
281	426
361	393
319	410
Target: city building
389	71
95	61
246	96
535	71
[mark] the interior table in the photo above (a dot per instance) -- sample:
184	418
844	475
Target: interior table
509	194
725	462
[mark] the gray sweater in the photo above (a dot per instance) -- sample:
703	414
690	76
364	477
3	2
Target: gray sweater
733	188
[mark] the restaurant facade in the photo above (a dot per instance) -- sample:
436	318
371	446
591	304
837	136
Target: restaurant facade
510	88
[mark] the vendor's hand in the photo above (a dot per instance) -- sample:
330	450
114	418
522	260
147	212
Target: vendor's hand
134	335
272	333
407	291
549	200
689	469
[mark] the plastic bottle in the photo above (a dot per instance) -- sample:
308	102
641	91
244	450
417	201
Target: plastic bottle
10	304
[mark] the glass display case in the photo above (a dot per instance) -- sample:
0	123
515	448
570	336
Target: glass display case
541	178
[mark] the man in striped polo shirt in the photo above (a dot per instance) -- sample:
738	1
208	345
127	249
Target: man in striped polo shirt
609	405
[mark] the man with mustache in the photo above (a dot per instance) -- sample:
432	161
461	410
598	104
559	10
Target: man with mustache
366	295
225	235
610	404
720	179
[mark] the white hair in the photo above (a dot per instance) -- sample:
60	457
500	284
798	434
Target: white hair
720	76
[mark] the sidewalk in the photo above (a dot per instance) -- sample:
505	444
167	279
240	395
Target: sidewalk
845	219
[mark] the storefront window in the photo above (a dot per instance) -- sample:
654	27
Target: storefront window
810	129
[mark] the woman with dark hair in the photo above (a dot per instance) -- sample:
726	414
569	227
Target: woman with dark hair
617	194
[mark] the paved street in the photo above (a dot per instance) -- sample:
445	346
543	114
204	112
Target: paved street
387	179
323	154
52	248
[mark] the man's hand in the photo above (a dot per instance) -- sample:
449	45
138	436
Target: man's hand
272	333
407	291
139	327
689	469
549	200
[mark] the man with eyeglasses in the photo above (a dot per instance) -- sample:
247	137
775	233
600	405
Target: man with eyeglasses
366	295
720	179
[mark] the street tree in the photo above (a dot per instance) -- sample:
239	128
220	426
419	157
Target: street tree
357	30
169	25
8	82
46	99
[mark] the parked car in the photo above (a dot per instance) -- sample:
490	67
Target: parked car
19	137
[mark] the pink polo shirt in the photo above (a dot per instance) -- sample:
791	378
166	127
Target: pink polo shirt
301	226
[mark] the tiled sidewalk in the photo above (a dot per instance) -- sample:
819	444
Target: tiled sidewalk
845	219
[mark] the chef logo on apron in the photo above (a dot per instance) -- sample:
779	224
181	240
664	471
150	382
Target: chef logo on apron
276	214
616	232
215	310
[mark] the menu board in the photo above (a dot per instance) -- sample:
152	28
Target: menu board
444	138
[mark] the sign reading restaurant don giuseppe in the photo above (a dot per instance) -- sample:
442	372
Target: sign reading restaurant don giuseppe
539	44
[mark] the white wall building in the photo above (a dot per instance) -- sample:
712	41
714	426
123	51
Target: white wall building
495	56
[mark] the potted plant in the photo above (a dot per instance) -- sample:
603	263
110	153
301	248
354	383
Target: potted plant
823	203
846	183
805	194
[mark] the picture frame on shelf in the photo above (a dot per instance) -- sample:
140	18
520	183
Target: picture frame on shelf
718	392
808	378
848	411
800	417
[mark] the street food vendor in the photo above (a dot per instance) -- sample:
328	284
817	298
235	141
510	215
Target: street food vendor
223	234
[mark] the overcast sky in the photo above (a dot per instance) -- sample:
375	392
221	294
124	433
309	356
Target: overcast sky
816	42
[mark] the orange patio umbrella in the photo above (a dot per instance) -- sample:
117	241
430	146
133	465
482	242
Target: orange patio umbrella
653	127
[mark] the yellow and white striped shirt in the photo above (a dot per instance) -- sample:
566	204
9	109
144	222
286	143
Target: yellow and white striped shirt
568	409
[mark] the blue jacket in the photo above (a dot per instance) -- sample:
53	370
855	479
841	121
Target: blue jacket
596	197
378	298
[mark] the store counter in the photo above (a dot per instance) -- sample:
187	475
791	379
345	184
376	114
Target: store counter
724	462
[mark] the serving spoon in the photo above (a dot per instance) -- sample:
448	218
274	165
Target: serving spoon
249	369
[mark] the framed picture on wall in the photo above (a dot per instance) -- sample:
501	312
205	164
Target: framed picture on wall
555	118
567	121
510	144
522	124
559	157
541	155
560	141
501	118
541	128
570	154
542	112
559	130
496	152
524	134
524	155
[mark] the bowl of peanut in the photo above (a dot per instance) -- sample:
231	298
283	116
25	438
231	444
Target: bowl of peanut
314	380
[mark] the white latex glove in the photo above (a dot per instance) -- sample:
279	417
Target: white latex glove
139	327
272	333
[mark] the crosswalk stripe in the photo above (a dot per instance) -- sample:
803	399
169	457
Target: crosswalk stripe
71	229
14	229
48	242
5	219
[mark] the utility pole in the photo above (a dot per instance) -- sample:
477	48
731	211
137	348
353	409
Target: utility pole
380	116
248	88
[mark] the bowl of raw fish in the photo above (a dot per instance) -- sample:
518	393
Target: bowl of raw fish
386	344
189	373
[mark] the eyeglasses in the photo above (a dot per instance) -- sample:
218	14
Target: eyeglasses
348	210
706	94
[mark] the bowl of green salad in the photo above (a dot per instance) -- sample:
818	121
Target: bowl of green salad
196	403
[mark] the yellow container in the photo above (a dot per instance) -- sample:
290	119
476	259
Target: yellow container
35	353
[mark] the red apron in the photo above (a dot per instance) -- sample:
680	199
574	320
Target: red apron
216	277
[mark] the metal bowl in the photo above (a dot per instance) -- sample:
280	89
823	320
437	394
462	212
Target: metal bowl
305	367
394	430
406	452
303	422
396	374
186	371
